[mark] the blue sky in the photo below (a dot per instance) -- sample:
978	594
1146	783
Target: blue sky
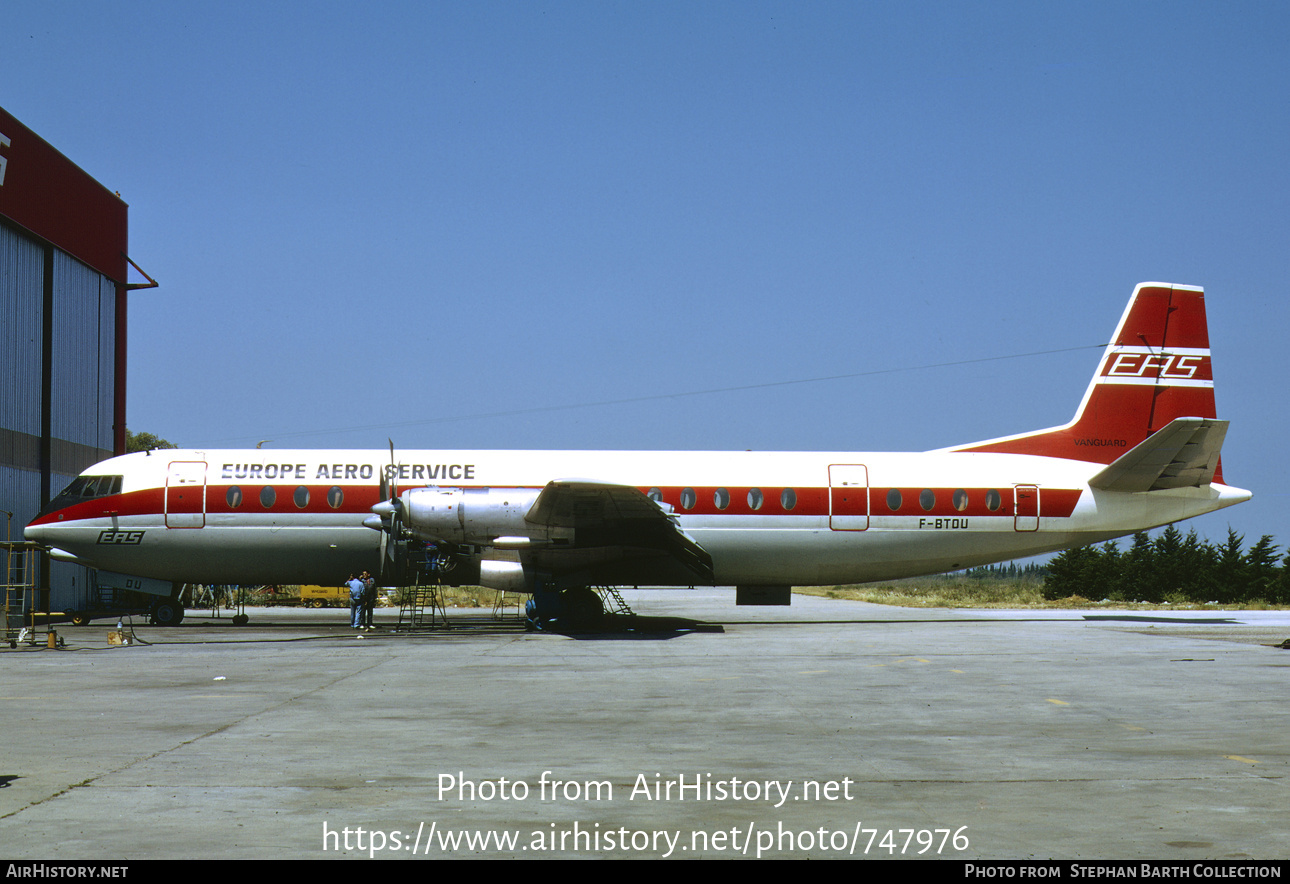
473	224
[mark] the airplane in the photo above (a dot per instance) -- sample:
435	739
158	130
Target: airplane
1141	451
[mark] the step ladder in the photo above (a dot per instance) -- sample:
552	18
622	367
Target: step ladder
503	603
613	600
19	589
422	605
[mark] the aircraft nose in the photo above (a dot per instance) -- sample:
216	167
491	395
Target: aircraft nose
36	533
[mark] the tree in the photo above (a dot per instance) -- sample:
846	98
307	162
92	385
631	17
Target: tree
1173	566
1075	571
1230	570
145	442
1282	588
1261	569
1136	569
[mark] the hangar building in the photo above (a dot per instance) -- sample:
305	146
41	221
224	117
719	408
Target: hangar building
63	269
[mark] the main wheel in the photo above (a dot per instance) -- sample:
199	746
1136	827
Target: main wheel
581	609
168	613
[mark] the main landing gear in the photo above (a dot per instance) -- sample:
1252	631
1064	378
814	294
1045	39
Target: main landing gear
167	612
578	609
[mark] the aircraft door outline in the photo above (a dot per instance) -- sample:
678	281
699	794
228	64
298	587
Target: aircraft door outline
186	494
848	497
1026	507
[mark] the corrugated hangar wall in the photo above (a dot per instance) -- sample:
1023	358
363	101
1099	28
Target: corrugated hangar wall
62	289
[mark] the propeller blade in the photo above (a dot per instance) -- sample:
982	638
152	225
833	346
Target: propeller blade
394	472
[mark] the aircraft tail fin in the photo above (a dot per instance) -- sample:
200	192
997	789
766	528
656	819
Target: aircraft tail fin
1155	370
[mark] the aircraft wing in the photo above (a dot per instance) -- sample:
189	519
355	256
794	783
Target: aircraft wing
609	521
1184	454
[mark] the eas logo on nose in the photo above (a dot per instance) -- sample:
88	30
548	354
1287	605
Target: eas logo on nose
126	538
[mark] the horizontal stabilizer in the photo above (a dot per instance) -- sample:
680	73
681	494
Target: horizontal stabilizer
1184	454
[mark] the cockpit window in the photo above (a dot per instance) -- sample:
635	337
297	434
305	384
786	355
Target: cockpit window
90	488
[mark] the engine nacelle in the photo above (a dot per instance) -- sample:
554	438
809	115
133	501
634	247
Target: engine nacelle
506	576
467	515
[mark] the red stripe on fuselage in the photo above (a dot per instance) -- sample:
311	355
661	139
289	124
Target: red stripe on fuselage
358	500
1056	502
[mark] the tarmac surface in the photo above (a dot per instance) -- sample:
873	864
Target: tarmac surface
824	730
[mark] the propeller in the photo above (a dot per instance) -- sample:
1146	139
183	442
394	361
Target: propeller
393	473
387	517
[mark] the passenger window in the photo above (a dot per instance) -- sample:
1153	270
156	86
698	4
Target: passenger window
960	500
721	497
688	499
788	499
927	499
754	498
335	497
993	500
655	495
268	496
894	500
301	497
233	497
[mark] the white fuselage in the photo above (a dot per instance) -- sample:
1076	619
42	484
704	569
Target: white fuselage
1142	450
296	516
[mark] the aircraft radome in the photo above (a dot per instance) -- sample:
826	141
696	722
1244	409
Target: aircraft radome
1141	451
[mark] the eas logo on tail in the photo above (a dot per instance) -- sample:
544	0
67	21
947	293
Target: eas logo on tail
1145	364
